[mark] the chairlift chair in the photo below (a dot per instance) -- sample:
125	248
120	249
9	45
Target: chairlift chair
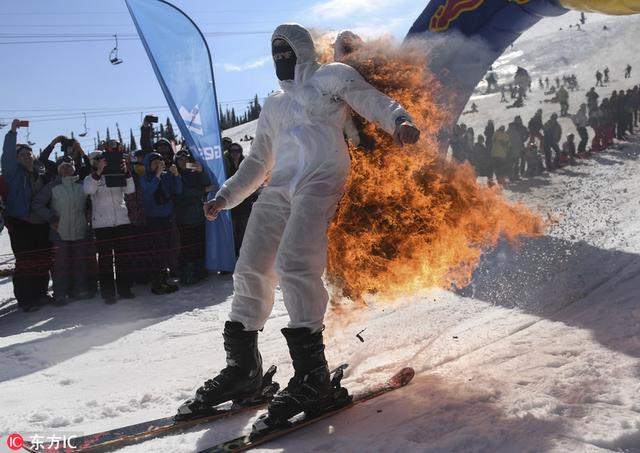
29	142
84	133
113	56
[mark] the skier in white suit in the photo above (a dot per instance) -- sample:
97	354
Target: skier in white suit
300	141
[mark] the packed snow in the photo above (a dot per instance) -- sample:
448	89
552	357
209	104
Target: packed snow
540	353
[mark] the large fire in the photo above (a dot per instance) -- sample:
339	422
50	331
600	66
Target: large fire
410	219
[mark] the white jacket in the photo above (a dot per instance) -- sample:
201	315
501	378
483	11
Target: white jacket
107	203
300	132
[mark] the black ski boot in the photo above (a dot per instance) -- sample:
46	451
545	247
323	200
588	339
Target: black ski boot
311	389
241	381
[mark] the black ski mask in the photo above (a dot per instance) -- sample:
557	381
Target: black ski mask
285	59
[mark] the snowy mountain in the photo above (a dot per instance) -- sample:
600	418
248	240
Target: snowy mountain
541	353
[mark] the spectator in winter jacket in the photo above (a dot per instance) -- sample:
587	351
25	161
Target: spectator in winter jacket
482	160
29	234
518	135
500	155
489	130
457	144
552	135
535	126
239	214
592	100
196	183
580	120
111	225
563	99
63	204
569	149
159	187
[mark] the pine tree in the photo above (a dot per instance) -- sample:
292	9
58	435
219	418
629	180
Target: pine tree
119	134
132	141
169	134
98	135
161	131
108	135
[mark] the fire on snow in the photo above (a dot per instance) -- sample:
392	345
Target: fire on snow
409	218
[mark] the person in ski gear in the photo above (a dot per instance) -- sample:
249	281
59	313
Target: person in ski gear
599	78
606	74
300	142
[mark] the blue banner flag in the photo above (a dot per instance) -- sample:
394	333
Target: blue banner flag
181	60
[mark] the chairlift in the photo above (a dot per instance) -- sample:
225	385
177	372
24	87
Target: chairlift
29	142
113	56
84	133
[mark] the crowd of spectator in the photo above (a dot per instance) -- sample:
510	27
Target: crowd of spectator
108	220
510	152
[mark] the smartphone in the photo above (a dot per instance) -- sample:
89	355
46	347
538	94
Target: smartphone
23	123
191	166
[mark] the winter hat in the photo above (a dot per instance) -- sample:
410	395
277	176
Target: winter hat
21	146
155	156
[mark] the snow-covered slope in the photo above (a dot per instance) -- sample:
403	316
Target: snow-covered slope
540	353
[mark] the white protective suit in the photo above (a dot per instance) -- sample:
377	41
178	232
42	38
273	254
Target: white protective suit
299	139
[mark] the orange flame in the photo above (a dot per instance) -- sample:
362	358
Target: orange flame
410	219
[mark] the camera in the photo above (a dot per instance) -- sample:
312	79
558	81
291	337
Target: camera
151	119
66	144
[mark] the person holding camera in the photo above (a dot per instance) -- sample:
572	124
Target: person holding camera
196	183
29	235
63	204
111	226
159	187
162	146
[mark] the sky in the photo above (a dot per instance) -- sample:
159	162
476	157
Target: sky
52	84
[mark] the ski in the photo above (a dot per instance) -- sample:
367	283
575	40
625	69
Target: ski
128	435
255	438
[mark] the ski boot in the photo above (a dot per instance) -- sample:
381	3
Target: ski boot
241	381
311	390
